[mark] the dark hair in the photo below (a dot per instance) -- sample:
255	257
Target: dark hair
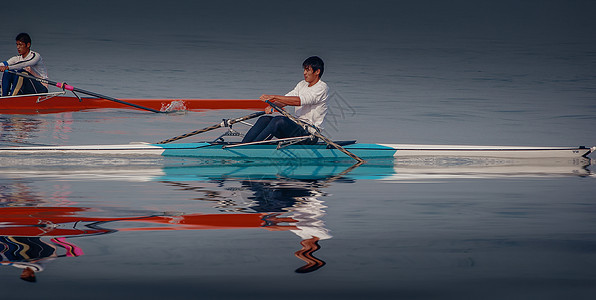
316	63
23	37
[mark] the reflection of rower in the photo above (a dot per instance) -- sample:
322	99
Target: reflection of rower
309	246
299	198
20	236
30	253
272	201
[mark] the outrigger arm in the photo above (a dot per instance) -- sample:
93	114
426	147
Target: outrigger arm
316	132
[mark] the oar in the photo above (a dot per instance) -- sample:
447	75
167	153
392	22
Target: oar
75	89
224	123
316	133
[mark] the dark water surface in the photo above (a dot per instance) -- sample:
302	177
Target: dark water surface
433	72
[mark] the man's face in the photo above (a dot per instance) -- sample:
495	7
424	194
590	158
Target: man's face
310	76
23	48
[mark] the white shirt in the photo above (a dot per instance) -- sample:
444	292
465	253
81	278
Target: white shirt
308	213
313	102
32	63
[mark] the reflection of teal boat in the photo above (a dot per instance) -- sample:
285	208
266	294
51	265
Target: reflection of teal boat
379	169
145	169
271	169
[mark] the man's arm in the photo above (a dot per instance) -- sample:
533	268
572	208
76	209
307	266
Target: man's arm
14	64
282	100
4	65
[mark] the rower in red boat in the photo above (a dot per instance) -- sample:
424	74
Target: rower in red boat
28	62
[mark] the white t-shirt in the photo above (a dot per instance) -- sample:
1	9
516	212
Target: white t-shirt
313	102
32	63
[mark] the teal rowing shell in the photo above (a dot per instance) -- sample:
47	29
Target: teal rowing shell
263	151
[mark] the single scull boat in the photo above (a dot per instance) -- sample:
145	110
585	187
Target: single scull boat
283	149
59	102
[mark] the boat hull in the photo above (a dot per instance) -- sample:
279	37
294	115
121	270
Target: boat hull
405	150
54	103
310	152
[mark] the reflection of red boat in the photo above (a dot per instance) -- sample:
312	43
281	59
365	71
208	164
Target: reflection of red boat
21	224
69	221
58	102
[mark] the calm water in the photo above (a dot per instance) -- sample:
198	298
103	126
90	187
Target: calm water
436	73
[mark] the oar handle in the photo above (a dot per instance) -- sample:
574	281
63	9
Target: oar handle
315	132
65	86
75	89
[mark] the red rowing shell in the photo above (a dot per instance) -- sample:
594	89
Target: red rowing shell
33	104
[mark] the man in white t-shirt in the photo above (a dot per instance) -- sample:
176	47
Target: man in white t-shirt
310	99
28	62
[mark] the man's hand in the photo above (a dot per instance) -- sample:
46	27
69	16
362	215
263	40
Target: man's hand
267	98
280	101
3	68
270	98
269	110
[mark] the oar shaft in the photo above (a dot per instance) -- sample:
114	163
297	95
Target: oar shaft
75	89
222	124
315	133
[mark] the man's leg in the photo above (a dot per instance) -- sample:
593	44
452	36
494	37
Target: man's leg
7	79
281	127
31	86
257	128
11	84
17	84
39	87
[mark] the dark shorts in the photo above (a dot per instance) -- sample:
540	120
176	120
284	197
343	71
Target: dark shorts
16	85
268	127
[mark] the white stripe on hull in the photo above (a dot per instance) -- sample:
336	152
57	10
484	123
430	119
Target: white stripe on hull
130	149
403	150
406	150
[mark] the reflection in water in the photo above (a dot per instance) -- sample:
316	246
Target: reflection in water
297	200
20	130
18	193
62	126
39	226
309	246
34	229
172	169
31	253
301	201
